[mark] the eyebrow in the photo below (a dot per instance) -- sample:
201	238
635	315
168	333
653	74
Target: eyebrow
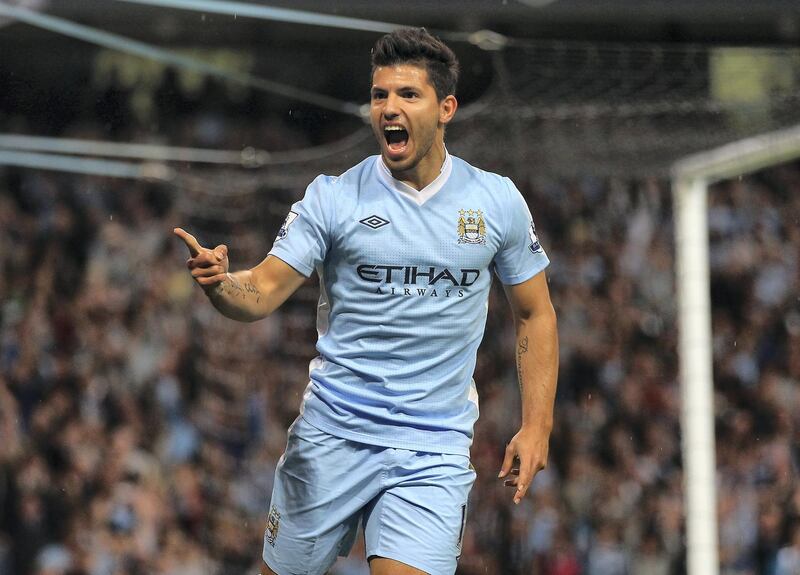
400	89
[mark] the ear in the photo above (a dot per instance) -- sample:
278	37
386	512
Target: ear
447	109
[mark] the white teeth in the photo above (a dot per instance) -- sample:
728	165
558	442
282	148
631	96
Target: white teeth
393	128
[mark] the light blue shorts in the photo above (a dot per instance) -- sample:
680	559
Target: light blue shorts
413	505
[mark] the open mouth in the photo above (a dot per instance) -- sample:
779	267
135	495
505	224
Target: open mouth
396	138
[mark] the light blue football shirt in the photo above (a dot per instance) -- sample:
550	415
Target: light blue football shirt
404	285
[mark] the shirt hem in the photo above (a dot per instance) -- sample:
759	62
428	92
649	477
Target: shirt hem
380	441
292	261
525	276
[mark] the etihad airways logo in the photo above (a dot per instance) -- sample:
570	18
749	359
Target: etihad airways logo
418	280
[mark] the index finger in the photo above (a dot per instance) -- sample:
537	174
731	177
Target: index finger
189	240
524	481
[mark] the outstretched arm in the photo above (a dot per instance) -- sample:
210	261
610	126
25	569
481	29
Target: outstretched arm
246	295
537	369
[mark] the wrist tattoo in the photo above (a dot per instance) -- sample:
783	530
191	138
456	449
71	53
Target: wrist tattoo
251	289
234	288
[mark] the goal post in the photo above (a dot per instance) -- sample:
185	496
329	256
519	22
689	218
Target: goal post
691	177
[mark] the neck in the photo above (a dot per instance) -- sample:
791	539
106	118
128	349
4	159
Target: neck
426	170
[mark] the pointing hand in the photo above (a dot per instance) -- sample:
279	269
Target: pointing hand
208	267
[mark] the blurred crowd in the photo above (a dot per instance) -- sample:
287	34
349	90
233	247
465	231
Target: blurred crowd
139	430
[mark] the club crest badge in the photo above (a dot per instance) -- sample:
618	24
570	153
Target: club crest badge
471	227
273	525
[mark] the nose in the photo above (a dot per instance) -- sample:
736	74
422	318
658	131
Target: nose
390	107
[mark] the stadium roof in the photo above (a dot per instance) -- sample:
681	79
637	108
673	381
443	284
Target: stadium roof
730	21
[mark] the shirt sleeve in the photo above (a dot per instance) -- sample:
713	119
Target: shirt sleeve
304	238
521	255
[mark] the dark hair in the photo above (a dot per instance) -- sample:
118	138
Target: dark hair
417	46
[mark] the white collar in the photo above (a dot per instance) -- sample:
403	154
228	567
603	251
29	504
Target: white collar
417	196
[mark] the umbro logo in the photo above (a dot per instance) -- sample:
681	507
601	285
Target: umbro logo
374	222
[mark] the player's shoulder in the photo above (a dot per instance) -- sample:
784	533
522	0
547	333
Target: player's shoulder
348	179
469	173
339	193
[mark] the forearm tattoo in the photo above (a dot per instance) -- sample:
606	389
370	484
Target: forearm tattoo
522	349
234	288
